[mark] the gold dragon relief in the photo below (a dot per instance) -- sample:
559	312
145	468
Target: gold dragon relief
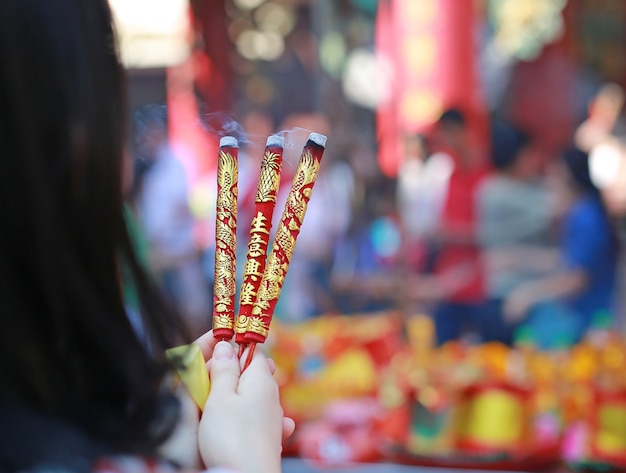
297	209
225	289
225	236
231	283
268	291
224	267
270	286
285	241
223	292
303	182
294	225
227	170
262	298
307	171
269	178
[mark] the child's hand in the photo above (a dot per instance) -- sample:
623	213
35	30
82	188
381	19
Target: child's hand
242	425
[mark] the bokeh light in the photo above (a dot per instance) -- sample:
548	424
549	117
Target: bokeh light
152	33
333	53
275	18
248	4
360	80
252	44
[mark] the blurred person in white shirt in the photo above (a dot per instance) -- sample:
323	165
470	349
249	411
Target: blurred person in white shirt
163	210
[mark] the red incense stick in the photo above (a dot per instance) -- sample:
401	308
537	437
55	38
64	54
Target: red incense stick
225	240
284	242
265	202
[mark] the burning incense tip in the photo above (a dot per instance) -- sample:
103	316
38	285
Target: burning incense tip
275	140
229	141
318	139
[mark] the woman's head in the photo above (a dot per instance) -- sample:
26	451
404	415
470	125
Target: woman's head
66	346
507	144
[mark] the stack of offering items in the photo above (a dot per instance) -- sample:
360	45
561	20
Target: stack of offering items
366	387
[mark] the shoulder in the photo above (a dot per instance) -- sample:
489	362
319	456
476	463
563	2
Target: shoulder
587	211
491	188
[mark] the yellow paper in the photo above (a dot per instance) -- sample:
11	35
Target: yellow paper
351	374
193	374
494	417
612	428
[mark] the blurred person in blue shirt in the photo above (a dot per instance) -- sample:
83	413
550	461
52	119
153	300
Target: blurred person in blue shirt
559	308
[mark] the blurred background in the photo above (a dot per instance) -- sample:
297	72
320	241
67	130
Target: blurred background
456	295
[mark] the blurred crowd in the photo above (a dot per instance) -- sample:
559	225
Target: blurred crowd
522	247
494	239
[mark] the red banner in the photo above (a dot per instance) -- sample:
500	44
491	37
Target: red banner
430	49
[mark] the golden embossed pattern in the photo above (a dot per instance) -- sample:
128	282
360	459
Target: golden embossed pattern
265	201
285	241
269	177
225	243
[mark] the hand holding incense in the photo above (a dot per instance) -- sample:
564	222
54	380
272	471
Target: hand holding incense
265	202
226	240
284	242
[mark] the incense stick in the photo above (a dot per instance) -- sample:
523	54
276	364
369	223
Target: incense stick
225	240
284	242
265	202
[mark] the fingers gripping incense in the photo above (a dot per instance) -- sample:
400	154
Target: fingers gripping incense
265	202
225	240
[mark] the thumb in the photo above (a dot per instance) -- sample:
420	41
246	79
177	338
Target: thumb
225	369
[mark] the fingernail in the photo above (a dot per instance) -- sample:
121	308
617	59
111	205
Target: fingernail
223	351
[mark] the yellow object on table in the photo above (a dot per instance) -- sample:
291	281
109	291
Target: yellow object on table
612	428
493	417
193	372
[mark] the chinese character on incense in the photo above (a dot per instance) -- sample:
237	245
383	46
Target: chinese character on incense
265	202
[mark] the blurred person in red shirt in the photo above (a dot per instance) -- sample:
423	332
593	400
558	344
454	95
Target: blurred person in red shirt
459	273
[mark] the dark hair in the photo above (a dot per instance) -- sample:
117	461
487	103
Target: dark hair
67	348
577	164
452	116
506	144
